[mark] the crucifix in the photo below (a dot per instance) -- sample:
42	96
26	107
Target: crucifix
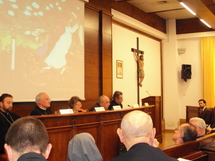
138	55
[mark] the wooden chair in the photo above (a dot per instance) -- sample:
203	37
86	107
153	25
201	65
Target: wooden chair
201	149
3	157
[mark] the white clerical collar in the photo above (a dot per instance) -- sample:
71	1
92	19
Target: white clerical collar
204	108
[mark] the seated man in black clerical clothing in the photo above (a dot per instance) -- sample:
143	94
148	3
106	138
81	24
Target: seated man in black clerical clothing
205	112
6	117
43	105
27	140
117	100
103	101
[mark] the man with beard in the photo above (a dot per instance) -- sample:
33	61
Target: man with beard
6	117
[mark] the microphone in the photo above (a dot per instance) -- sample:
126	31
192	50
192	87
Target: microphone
129	106
148	93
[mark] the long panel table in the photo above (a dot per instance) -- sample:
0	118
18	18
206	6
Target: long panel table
101	125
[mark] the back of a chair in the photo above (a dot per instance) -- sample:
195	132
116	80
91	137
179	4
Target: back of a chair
207	142
213	118
3	157
180	150
192	149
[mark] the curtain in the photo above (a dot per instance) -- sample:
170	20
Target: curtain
208	69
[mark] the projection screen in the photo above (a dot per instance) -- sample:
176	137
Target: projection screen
42	48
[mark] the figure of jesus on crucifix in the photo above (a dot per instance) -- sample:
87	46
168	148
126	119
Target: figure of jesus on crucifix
140	63
138	55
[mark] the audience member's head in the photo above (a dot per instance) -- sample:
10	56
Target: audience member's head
6	102
27	135
185	132
200	125
136	127
202	103
104	101
117	97
75	103
42	100
82	147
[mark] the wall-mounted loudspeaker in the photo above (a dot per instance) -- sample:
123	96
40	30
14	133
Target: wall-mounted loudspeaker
186	72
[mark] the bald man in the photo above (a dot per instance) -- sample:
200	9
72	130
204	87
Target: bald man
137	134
103	101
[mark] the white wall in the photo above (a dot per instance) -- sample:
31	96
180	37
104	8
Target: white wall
176	93
191	91
123	41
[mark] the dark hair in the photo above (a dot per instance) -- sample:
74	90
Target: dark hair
27	133
116	94
190	132
202	100
73	100
4	95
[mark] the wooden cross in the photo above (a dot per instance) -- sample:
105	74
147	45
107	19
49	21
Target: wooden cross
140	74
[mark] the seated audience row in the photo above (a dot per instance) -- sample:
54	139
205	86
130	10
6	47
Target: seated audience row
24	141
136	132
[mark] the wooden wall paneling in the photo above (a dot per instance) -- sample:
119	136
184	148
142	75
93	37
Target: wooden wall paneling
59	138
123	7
192	111
155	113
102	5
94	130
92	56
23	108
102	126
190	26
110	134
106	49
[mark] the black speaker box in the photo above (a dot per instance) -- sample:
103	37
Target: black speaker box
186	72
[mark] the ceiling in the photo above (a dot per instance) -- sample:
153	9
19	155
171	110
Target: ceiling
172	9
169	9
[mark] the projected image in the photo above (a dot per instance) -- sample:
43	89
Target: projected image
42	46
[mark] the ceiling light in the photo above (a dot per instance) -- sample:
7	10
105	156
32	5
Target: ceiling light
187	8
205	23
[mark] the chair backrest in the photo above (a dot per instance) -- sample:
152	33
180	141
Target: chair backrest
3	157
192	148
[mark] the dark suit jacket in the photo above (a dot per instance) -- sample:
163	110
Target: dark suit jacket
39	111
93	107
143	151
4	126
206	115
113	103
32	157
